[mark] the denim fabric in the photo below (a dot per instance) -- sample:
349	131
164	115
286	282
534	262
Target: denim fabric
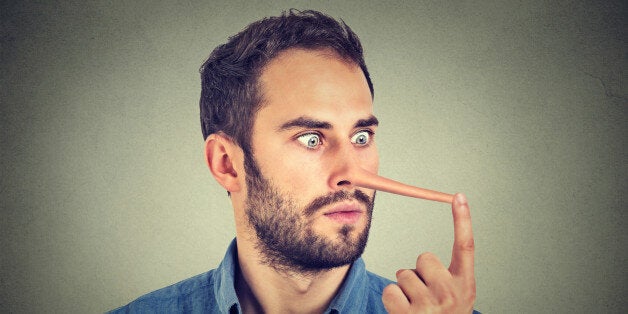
214	292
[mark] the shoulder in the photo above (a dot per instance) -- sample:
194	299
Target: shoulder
194	294
376	285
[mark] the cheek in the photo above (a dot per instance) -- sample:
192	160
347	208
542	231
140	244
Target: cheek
369	159
304	171
291	169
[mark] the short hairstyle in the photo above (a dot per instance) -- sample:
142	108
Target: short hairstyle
230	97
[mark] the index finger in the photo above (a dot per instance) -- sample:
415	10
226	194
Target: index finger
462	256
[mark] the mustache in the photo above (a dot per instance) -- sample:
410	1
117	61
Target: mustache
335	197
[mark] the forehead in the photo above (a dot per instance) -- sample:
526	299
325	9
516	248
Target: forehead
316	83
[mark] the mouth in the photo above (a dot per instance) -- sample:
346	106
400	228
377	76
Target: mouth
344	214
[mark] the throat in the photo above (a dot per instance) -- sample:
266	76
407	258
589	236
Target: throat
263	289
246	297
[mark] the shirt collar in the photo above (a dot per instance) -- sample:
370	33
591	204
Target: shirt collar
351	296
352	293
224	286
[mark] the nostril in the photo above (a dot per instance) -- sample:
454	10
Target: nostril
343	182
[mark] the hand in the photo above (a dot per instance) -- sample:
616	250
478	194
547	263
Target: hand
432	288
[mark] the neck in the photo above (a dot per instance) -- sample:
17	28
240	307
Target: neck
265	289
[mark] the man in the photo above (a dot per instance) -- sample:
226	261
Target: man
287	114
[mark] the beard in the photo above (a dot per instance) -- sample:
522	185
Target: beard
286	240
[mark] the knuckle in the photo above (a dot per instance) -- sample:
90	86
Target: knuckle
388	294
425	259
393	300
405	274
447	299
427	256
466	246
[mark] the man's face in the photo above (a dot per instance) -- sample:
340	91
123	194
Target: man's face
314	129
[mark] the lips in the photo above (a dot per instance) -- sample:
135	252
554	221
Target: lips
344	214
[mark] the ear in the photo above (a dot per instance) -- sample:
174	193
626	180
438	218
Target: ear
220	157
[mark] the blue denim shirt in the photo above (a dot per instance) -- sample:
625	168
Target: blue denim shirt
214	292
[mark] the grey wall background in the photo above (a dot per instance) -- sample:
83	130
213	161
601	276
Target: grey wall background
521	105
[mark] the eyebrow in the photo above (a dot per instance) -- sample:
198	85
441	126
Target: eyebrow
305	122
311	123
370	121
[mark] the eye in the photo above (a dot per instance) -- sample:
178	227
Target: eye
361	138
310	140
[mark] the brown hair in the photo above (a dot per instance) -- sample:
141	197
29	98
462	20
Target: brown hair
230	96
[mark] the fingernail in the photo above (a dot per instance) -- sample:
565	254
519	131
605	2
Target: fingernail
461	199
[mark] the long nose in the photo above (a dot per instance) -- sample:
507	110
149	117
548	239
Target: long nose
347	172
369	180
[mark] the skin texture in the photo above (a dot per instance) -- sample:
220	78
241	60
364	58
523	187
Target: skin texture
312	137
